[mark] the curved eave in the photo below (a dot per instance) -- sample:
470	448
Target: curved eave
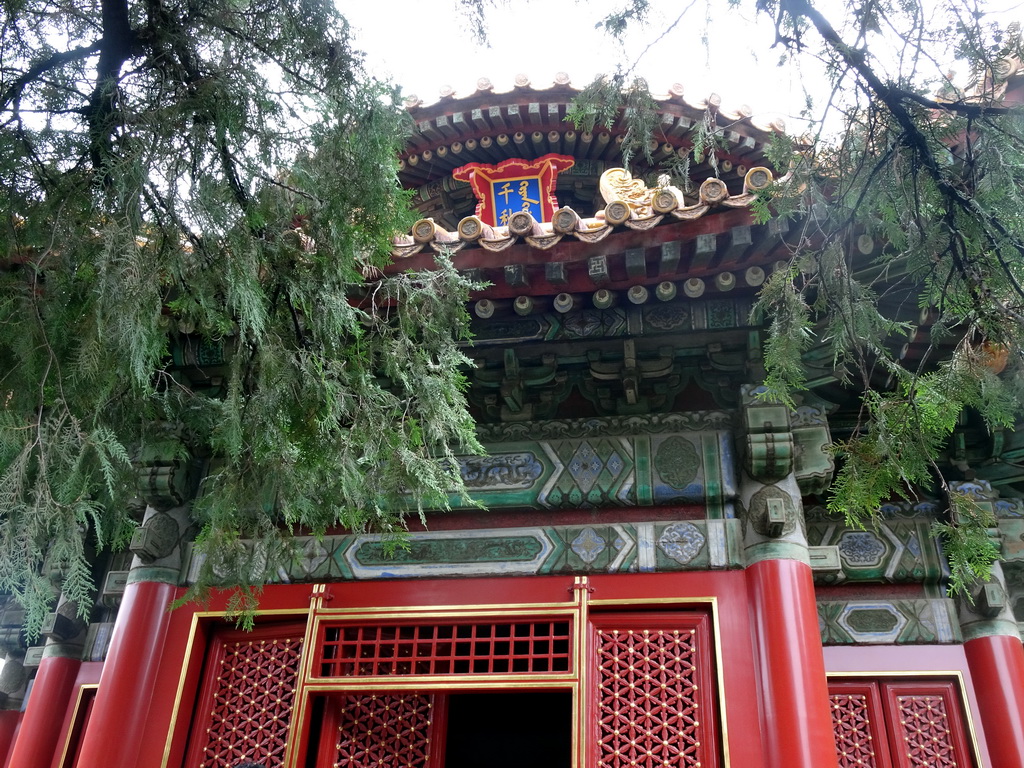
639	213
717	252
488	126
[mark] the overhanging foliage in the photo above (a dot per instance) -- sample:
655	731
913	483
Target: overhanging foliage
936	179
221	172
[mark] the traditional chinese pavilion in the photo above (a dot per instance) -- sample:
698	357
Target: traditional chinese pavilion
655	582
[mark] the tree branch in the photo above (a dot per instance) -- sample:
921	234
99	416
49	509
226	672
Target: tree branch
118	45
60	58
893	98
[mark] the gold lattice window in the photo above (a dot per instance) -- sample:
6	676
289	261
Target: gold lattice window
481	648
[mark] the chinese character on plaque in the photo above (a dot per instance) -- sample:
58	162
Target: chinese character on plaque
514	185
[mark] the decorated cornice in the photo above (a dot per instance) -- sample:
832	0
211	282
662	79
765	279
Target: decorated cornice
613	426
580	465
888	621
897	551
627	205
641	547
523	89
893	510
487	125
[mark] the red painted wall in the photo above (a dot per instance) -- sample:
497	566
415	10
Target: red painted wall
729	588
88	674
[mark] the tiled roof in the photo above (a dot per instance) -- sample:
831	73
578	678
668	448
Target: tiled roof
490	126
524	87
525	121
664	202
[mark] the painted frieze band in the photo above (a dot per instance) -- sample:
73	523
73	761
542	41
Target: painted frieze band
888	622
597	548
897	550
607	462
662	318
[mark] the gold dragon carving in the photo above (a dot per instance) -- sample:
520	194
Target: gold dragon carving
619	184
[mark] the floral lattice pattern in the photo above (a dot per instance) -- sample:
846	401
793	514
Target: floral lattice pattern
252	702
924	730
902	723
649	708
850	719
391	730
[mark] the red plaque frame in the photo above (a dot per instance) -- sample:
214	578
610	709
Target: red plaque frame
541	173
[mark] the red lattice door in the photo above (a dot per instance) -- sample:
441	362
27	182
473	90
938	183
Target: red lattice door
245	702
927	725
655	692
382	730
899	724
861	739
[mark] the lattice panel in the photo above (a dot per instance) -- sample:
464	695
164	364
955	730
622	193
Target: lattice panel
851	720
541	647
649	707
391	730
252	702
899	724
924	732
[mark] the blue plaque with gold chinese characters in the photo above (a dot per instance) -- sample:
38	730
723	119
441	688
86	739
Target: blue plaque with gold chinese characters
516	195
514	185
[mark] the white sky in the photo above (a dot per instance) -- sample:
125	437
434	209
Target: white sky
424	45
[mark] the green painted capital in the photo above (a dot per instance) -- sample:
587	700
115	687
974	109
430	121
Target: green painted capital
989	628
156	573
776	550
62	651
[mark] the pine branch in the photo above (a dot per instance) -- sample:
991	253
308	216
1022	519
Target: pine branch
31	75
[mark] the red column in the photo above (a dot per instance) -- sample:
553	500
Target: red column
997	669
6	763
9	720
799	730
48	701
127	684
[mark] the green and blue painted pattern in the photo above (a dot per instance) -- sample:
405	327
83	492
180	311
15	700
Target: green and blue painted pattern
585	464
888	622
901	549
571	549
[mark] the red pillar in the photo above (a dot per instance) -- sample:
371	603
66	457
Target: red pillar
48	701
14	737
9	720
997	669
796	703
127	684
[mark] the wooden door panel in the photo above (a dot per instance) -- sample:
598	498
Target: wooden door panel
899	724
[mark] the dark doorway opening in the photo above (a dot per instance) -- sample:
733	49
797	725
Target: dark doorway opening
509	730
